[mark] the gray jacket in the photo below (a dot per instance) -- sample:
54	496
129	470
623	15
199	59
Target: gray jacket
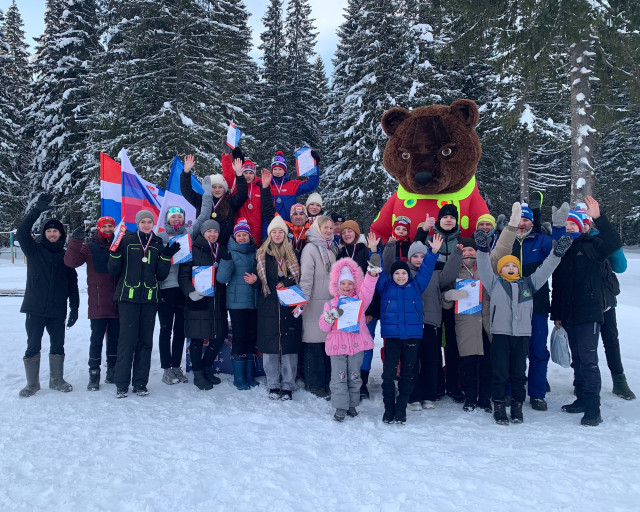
512	302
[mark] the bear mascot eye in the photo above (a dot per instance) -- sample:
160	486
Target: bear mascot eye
446	152
406	156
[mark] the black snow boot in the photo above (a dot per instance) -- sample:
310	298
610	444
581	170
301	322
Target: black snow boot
591	416
340	415
122	392
200	381
516	412
56	372
485	405
500	413
539	404
32	371
621	388
577	406
364	391
352	412
208	374
111	375
469	405
94	380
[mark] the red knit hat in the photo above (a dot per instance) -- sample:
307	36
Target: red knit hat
106	220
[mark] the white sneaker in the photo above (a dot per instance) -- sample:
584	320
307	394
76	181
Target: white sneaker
415	406
428	404
168	377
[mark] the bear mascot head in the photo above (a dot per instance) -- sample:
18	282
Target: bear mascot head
433	152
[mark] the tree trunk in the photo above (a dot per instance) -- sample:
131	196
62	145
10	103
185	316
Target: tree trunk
524	172
582	131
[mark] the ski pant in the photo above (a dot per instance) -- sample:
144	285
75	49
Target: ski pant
35	325
281	370
137	322
317	367
611	342
475	372
451	354
425	375
346	380
244	324
583	342
509	361
404	352
100	326
200	361
538	356
171	316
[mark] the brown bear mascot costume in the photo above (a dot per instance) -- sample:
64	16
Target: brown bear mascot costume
433	152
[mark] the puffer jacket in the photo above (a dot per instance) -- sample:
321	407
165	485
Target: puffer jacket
531	251
341	342
239	259
401	305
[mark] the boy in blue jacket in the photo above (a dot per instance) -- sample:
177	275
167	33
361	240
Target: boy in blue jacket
401	324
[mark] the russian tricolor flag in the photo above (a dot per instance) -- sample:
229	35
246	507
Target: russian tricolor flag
173	196
110	188
137	194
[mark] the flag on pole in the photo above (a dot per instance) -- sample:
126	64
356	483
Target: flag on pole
173	196
110	188
137	193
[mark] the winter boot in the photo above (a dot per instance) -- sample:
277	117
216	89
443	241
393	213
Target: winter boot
352	412
141	390
364	391
274	394
577	406
32	371
94	380
168	377
200	381
56	371
469	405
208	373
539	404
485	405
239	378
249	372
178	374
621	388
591	416
340	415
516	412
286	394
122	392
111	375
500	413
456	395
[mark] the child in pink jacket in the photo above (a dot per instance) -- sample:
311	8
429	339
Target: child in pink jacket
346	349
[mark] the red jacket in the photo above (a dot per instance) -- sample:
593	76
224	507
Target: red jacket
252	207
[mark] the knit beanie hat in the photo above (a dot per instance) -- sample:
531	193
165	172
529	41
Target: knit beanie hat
416	248
279	161
399	265
448	209
581	208
486	217
241	226
314	198
106	220
249	166
144	214
298	208
527	213
402	221
353	225
336	217
507	259
576	218
346	275
467	242
209	224
55	224
218	179
277	223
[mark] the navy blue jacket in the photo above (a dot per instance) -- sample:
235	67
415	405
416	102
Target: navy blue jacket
532	251
231	270
401	306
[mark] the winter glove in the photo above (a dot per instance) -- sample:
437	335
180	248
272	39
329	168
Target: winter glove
562	246
375	260
43	202
535	200
195	295
559	215
237	153
79	233
171	250
501	222
330	316
516	215
316	156
452	295
482	241
206	184
73	317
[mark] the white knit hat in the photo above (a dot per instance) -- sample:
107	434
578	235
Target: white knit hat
314	198
277	222
218	179
346	275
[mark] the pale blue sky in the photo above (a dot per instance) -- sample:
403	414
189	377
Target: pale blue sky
327	13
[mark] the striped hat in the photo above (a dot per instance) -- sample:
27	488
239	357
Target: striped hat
241	226
279	161
249	166
298	208
576	217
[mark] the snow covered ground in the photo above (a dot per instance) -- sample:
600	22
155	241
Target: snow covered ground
181	449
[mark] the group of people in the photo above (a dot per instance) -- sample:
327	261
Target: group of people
485	299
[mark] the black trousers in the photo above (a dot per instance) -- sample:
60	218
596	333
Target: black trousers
171	316
100	326
35	325
475	372
137	322
317	367
200	361
244	324
425	374
509	361
611	342
583	342
404	352
451	354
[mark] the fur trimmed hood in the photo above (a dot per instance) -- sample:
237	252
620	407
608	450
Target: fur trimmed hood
334	283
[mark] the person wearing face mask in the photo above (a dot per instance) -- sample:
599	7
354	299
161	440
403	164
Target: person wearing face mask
225	203
316	261
141	261
50	283
171	307
101	286
205	316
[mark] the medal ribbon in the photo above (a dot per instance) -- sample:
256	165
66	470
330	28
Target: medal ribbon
472	274
278	188
214	254
280	262
145	248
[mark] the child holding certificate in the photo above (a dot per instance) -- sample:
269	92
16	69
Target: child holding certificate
348	336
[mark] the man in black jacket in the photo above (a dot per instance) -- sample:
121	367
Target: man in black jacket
49	284
578	303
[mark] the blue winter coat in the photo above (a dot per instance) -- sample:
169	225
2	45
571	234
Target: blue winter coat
401	306
240	295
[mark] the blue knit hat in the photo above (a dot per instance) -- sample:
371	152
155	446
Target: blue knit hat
279	161
527	213
576	217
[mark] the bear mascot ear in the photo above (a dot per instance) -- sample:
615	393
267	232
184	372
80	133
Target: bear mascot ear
393	118
466	111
